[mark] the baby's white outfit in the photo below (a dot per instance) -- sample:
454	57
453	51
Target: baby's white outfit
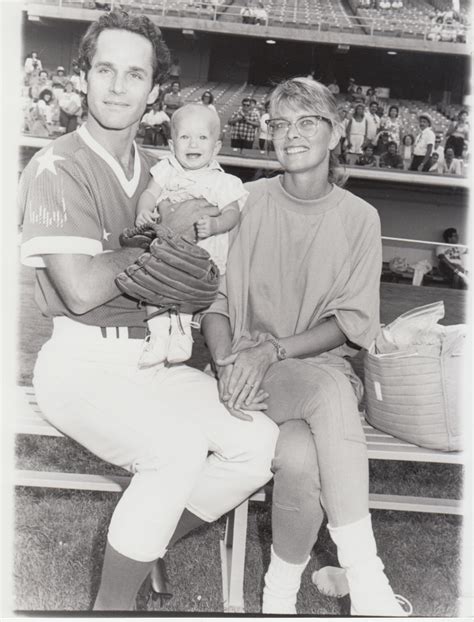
170	335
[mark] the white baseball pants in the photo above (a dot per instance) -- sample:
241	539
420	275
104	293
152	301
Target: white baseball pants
157	423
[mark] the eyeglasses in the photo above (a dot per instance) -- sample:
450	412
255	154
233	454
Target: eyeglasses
306	126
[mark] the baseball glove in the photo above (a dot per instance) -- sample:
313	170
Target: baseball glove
173	274
138	237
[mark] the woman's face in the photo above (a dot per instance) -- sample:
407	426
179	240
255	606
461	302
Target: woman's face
393	113
47	97
359	111
407	141
68	88
301	154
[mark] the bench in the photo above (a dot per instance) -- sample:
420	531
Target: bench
381	446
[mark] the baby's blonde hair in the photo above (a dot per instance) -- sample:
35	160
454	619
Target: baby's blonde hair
191	109
306	93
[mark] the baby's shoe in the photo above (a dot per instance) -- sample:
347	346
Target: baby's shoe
181	340
155	350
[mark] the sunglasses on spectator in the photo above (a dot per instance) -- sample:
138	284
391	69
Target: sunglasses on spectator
306	126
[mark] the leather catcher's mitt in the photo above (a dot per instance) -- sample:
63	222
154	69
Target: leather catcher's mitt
138	237
174	273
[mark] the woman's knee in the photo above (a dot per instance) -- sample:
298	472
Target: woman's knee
295	466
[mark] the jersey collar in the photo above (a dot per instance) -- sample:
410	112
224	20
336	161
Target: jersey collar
129	186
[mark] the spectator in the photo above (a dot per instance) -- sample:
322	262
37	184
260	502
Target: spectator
451	165
244	124
261	15
424	143
407	150
37	85
373	123
207	99
356	131
359	95
433	164
32	65
368	158
264	142
42	114
382	141
391	124
334	87
340	151
439	148
458	134
70	108
173	99
391	158
175	71
58	82
450	260
247	13
156	125
76	77
351	87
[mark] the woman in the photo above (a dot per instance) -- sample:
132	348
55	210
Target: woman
264	141
207	99
356	131
42	114
407	150
458	134
392	125
69	108
278	327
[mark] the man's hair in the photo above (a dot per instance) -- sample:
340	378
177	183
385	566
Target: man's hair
138	24
246	100
390	143
447	233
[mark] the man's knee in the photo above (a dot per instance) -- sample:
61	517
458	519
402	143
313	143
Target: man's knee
260	443
295	465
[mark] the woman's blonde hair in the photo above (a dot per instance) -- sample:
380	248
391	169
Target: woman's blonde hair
309	94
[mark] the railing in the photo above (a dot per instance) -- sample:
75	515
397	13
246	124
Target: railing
298	16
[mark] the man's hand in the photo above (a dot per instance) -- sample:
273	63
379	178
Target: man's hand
204	227
182	217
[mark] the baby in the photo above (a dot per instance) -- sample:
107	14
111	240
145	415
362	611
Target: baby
190	172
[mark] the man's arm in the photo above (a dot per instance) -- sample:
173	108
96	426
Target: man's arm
85	282
427	156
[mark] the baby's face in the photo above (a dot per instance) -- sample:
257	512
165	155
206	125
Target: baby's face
195	141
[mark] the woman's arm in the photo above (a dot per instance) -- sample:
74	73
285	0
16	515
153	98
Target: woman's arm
251	365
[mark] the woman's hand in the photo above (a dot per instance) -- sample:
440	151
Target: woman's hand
224	373
248	370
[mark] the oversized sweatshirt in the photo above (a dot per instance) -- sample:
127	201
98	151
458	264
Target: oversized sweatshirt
293	263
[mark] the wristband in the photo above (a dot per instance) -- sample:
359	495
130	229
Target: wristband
280	350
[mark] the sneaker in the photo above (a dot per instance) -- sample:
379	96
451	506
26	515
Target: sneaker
181	341
155	349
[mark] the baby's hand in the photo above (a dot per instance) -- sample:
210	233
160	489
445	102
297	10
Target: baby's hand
204	227
144	218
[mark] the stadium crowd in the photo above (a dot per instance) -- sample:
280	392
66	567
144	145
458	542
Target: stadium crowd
376	134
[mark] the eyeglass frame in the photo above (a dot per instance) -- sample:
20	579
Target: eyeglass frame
293	124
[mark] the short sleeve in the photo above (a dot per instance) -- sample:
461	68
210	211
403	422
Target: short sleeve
58	210
440	250
161	172
357	307
230	189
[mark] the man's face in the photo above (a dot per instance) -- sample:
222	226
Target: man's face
373	107
449	154
246	105
424	123
43	75
175	87
119	82
392	149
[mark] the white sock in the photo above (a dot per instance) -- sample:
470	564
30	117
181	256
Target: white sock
282	583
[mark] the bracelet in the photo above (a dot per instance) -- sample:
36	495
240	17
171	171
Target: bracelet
280	350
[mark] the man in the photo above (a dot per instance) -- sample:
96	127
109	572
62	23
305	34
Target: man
424	143
450	165
439	149
450	260
391	158
173	99
157	126
373	123
333	86
244	123
78	194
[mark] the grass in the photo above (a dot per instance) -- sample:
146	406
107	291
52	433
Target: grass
60	535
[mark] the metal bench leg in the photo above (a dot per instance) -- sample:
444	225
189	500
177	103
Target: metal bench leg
233	559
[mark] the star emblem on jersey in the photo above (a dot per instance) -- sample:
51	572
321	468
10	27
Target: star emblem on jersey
106	235
46	162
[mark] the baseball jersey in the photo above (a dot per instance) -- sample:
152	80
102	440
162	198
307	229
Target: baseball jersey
75	198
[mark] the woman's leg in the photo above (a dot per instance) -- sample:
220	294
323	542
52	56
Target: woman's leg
323	397
296	516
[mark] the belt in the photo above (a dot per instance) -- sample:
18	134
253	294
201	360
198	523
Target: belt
123	332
